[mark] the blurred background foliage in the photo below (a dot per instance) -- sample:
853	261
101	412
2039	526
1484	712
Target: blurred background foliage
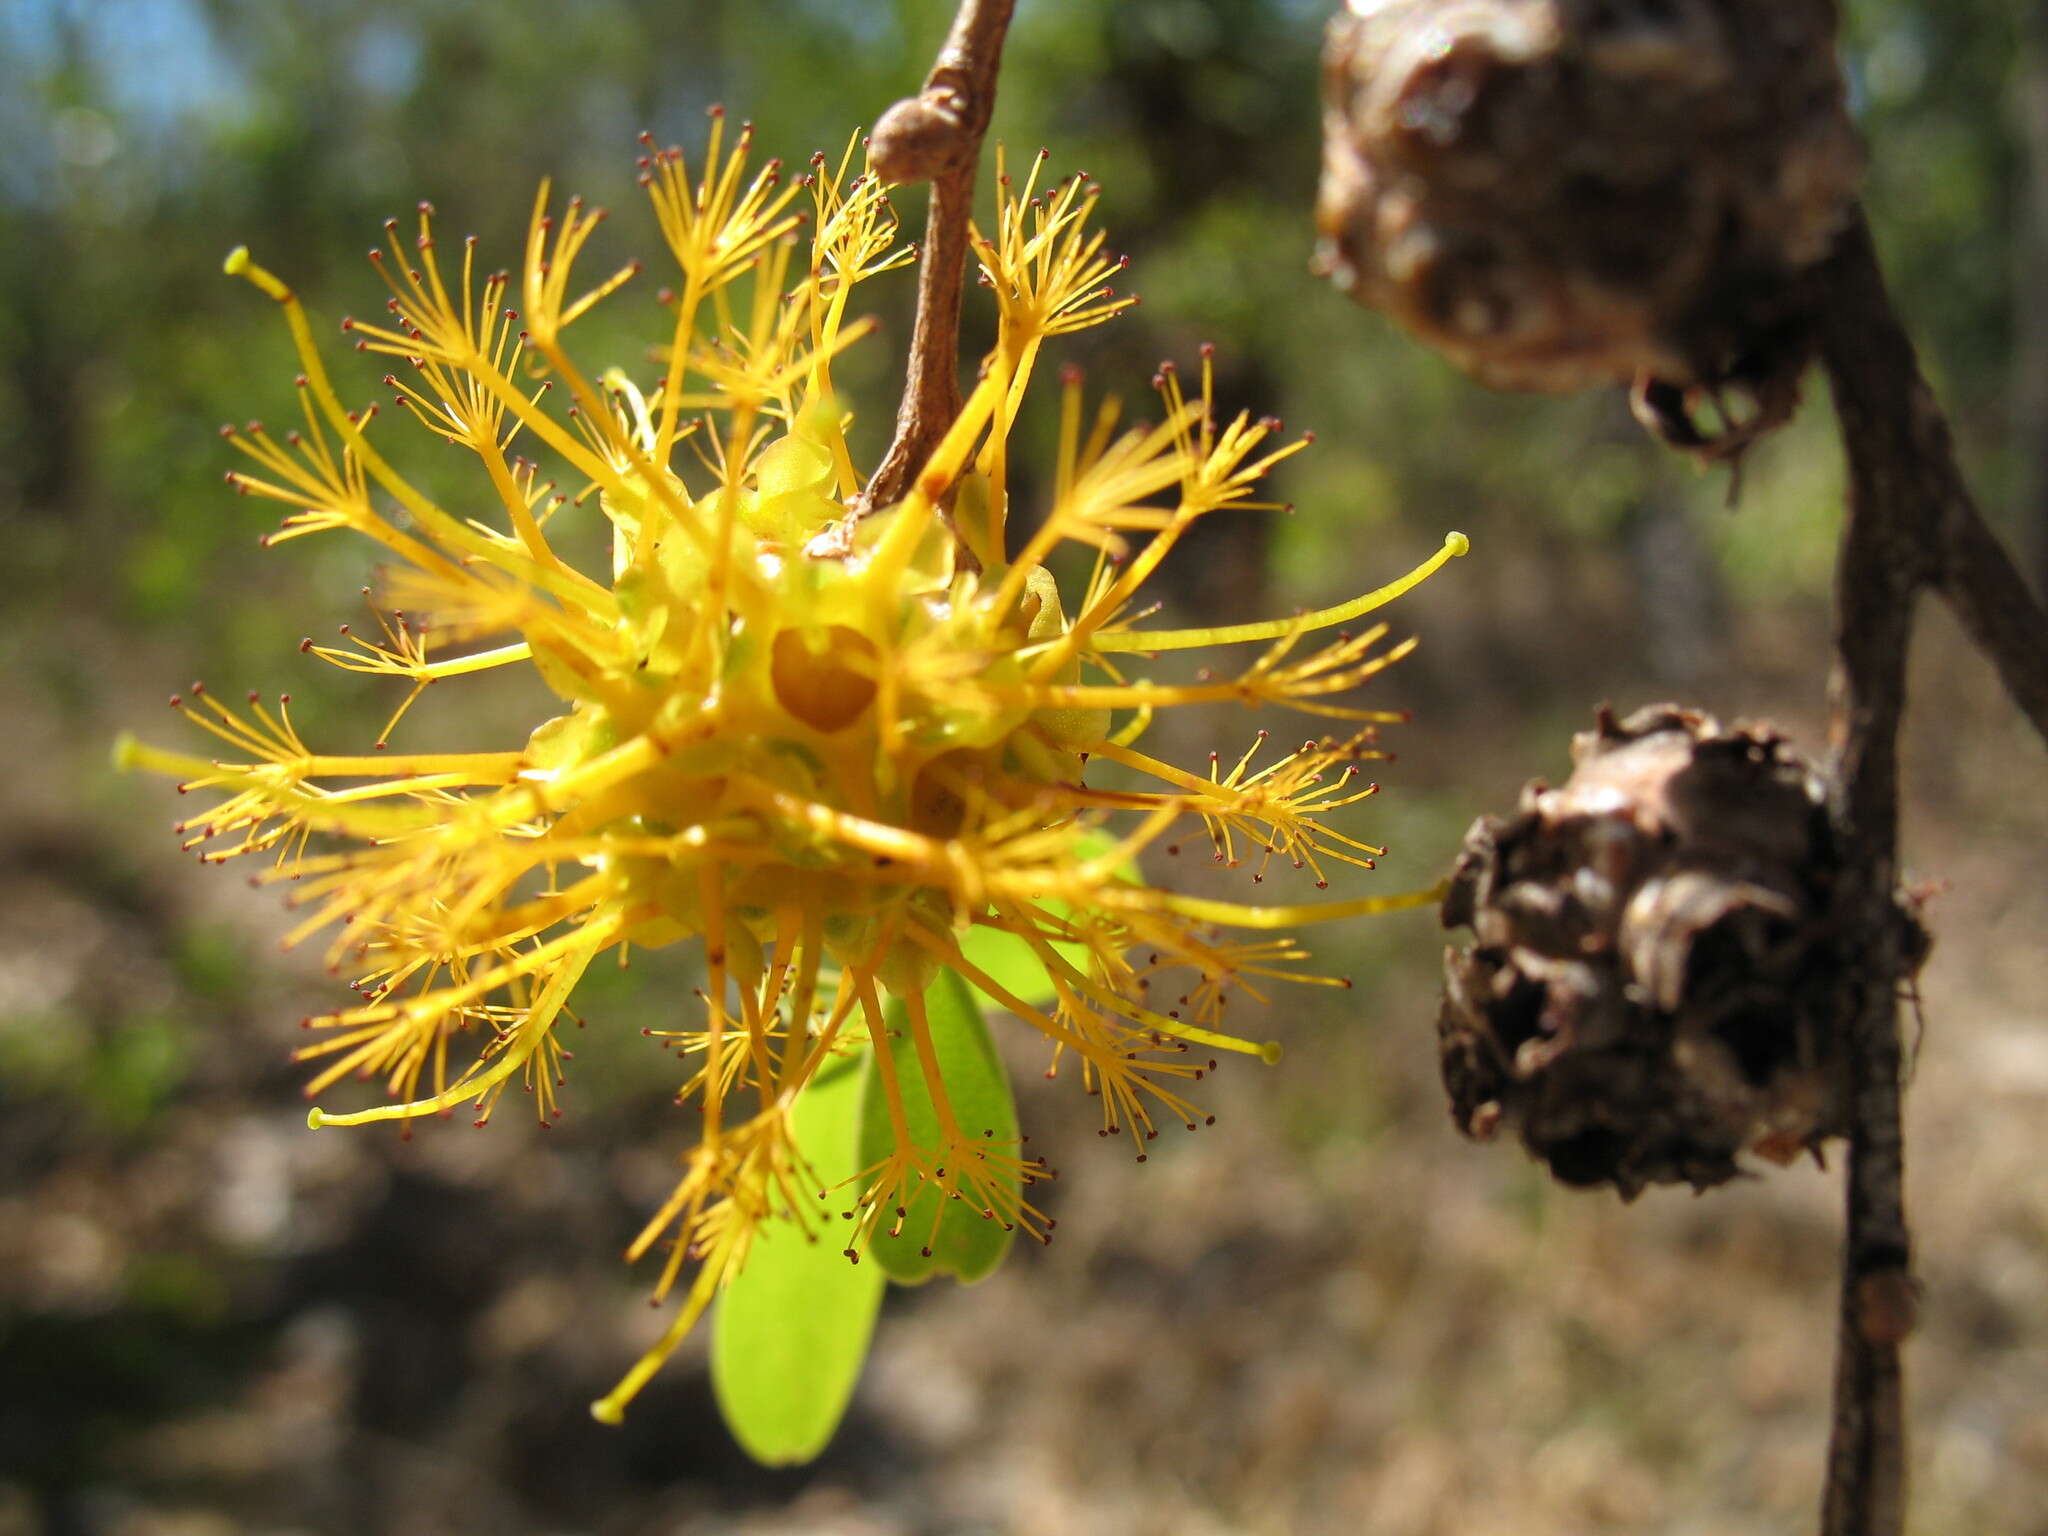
212	1322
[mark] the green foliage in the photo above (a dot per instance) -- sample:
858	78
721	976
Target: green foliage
117	1076
961	1241
1008	961
792	1329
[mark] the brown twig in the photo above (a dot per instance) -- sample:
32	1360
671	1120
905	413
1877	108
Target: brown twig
1898	440
1987	594
1911	525
936	135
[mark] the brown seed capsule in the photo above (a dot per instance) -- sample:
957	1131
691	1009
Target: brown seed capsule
1554	193
1662	965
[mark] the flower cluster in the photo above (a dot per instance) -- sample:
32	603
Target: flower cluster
836	748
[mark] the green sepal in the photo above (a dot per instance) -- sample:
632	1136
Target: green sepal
967	1245
792	1328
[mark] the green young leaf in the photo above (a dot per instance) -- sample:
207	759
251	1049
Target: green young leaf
967	1245
1008	961
791	1331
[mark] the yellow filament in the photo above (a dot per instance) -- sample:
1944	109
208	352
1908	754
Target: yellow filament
577	949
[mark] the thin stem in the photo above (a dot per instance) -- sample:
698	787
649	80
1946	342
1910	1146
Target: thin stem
936	136
1906	503
1919	525
1911	524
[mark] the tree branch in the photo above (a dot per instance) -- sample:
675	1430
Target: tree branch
936	136
1746	129
1898	440
1911	524
1987	594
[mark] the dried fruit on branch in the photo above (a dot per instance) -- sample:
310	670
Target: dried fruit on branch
1663	960
1558	192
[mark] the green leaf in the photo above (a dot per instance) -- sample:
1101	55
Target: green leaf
1008	961
967	1245
791	1330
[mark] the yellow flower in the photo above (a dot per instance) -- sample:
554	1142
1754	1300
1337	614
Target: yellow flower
832	771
